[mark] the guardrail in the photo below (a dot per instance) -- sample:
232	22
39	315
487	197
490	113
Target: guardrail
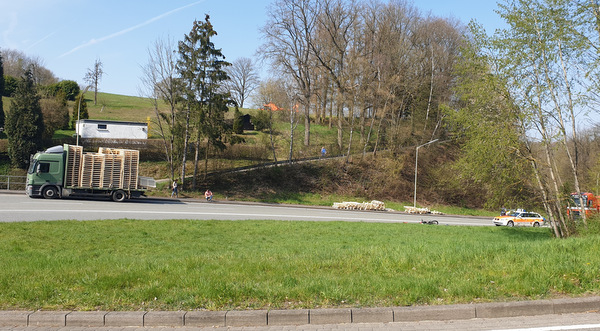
12	182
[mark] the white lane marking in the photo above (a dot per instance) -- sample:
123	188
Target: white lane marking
556	328
48	203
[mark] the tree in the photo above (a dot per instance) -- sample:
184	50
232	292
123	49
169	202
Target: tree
271	92
93	76
10	85
238	122
288	34
201	67
1	92
334	36
243	80
55	113
487	127
16	63
162	83
69	87
24	123
543	55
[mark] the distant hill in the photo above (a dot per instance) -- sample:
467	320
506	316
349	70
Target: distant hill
117	107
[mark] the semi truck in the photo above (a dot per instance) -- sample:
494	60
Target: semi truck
586	201
66	171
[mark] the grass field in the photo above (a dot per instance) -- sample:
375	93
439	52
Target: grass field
218	265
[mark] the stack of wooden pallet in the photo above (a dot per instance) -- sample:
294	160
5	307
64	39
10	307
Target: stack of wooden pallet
92	170
73	174
109	168
129	165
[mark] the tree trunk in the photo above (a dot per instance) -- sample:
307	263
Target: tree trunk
340	118
206	158
185	145
271	135
196	158
307	121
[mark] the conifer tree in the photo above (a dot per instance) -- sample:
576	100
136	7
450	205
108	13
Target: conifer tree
1	92
24	123
202	69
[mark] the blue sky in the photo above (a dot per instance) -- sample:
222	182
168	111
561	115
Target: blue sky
69	35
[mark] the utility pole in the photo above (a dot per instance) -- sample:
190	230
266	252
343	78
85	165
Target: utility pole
78	112
416	163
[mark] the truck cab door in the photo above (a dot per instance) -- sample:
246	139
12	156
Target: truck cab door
48	172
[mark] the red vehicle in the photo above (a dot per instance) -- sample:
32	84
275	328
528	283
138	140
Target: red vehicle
587	200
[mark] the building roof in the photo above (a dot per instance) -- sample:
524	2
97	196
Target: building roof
113	122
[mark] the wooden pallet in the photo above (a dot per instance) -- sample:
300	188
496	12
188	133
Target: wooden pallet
130	166
73	175
91	171
111	171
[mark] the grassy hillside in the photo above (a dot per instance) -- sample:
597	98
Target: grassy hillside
388	178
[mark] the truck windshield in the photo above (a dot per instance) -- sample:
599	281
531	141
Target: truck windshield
32	167
577	200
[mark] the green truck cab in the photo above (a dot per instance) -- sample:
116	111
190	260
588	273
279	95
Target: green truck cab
45	176
63	171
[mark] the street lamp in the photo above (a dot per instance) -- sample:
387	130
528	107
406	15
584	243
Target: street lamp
78	112
416	162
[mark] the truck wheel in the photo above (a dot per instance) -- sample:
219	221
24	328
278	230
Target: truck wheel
50	192
119	196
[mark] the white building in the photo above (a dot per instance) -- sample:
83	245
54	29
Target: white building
111	129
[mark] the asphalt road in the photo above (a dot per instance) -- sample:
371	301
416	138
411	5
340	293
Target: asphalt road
20	208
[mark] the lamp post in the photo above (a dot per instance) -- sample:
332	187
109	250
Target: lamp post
78	113
416	162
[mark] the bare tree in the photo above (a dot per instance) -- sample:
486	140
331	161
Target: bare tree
287	44
243	80
17	62
93	76
162	83
331	44
272	92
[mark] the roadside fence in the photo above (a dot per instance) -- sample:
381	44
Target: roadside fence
14	183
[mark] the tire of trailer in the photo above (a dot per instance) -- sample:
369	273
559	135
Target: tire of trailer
50	192
119	196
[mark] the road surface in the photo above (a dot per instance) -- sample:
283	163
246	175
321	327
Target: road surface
20	208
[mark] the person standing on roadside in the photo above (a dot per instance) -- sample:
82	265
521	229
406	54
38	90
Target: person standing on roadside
174	189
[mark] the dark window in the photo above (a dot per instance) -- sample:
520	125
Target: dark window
44	167
101	126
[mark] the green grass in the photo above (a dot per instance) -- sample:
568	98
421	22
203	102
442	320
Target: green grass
218	265
117	107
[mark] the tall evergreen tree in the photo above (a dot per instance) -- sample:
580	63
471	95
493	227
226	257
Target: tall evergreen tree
202	68
24	123
1	92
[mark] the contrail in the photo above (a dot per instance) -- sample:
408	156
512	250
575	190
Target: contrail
122	32
39	41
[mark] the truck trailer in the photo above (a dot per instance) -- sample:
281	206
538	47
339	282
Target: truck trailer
66	171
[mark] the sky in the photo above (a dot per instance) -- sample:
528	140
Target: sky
70	35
